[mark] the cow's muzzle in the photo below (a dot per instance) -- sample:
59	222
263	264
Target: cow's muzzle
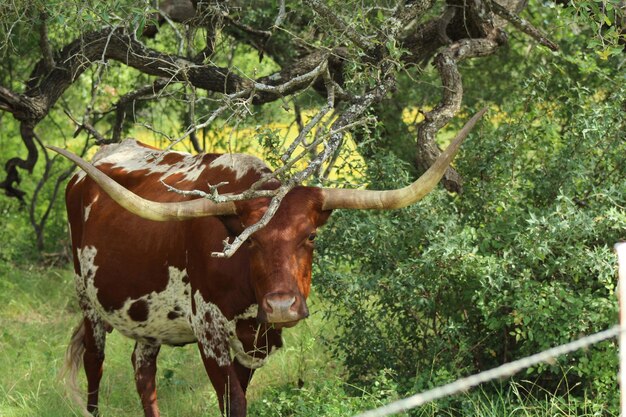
282	308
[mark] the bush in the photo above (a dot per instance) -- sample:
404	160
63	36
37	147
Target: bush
520	262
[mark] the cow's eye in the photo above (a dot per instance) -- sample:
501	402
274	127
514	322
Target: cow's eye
312	237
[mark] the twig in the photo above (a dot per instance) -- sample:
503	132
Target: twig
308	77
247	28
304	132
88	127
215	197
280	17
231	248
190	116
146	92
280	89
331	17
523	25
181	38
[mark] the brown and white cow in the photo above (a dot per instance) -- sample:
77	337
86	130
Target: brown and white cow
143	265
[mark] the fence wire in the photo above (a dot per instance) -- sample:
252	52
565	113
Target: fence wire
511	368
506	370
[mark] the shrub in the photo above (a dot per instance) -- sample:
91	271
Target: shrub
520	262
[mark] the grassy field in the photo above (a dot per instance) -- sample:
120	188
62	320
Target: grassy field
38	312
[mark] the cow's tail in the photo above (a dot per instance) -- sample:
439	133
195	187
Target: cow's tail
73	361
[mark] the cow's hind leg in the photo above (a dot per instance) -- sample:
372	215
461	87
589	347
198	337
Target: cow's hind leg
86	346
144	362
93	358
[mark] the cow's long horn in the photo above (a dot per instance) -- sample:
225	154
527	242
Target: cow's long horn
147	209
391	199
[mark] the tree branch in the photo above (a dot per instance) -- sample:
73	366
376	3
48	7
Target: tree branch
128	100
334	20
523	25
27	131
45	87
448	107
44	42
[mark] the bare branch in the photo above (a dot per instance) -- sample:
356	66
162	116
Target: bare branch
264	34
127	101
216	197
190	116
44	42
230	102
116	44
231	248
295	82
306	78
282	12
179	36
523	25
304	132
84	125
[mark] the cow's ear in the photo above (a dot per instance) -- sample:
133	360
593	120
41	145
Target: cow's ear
233	224
322	218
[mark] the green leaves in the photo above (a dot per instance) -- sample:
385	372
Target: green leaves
520	262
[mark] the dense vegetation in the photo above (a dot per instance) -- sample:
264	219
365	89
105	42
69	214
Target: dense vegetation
519	261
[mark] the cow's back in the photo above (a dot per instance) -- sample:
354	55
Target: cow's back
139	274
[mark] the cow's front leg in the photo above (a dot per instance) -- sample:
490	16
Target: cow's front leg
212	332
253	345
225	381
144	362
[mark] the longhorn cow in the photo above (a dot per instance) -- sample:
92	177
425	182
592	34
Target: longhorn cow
142	263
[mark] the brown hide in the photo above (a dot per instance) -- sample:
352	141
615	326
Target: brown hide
128	281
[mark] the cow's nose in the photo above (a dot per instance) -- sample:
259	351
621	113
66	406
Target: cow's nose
283	308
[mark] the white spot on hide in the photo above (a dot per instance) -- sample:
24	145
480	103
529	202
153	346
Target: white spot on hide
247	359
85	291
130	157
210	327
158	325
88	208
239	163
142	352
158	328
218	335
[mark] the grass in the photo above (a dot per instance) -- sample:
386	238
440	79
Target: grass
38	312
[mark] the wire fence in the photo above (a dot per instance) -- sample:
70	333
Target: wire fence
511	368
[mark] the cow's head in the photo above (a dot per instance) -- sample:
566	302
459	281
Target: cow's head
281	253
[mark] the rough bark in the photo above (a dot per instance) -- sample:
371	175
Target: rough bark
465	29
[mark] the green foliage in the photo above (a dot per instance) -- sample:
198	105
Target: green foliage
324	397
520	262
